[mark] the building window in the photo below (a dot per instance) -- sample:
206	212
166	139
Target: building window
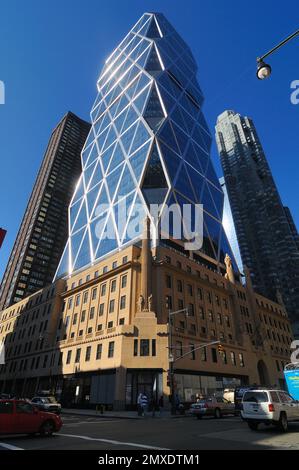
204	354
70	303
113	285
114	265
199	293
214	355
89	330
83	315
85	297
111	306
219	318
80	333
99	351
192	351
121	321
201	313
88	353
122	302
77	300
135	347
124	280
233	358
168	302
110	324
190	310
94	294
125	259
227	321
111	349
103	289
144	347
101	309
100	327
168	281
91	314
75	318
211	316
153	347
190	289
180	304
78	355
179	285
241	360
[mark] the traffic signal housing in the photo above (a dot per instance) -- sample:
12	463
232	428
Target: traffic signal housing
220	348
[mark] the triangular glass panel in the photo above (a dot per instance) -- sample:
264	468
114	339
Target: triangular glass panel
208	203
170	222
189	122
97	175
81	219
79	191
102	202
141	136
102	138
126	184
218	198
183	184
131	117
202	157
142	82
88	172
130	91
153	31
207	246
121	213
139	102
118	123
191	158
102	123
73	212
117	158
118	106
181	137
127	138
138	159
197	136
96	229
197	181
135	225
177	117
93	155
76	240
153	113
64	264
105	158
141	61
154	187
171	160
113	180
166	134
153	64
168	101
91	198
84	255
111	137
211	175
108	239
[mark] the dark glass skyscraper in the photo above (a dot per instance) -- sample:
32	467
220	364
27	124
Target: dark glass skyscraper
44	228
149	143
265	228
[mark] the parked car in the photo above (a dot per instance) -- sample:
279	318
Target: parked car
22	417
48	403
266	406
212	406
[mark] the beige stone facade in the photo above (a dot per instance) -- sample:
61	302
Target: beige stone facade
93	340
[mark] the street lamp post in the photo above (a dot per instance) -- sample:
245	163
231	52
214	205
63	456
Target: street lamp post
172	360
264	69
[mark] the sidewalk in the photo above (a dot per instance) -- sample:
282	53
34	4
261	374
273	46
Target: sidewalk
119	414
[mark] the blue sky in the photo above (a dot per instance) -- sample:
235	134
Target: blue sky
51	54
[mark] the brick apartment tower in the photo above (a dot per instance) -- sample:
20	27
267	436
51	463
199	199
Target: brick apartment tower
43	232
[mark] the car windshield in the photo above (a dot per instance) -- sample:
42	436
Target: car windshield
256	397
51	399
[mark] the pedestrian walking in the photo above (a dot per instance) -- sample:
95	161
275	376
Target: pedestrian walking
161	404
144	404
139	404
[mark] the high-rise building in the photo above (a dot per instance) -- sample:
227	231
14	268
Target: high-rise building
43	232
264	228
229	226
101	333
149	144
2	236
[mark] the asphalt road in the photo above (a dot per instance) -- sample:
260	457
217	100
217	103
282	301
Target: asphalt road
82	432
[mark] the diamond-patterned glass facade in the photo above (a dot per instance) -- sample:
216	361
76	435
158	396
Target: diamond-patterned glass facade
149	143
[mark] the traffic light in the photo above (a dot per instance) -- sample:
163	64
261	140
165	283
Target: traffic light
220	348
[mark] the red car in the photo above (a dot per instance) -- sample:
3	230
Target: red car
21	417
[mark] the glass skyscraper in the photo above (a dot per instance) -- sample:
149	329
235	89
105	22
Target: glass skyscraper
267	235
149	143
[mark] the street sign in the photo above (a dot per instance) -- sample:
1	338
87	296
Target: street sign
292	380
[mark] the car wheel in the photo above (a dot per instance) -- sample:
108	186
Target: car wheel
253	426
283	424
198	416
47	428
217	413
